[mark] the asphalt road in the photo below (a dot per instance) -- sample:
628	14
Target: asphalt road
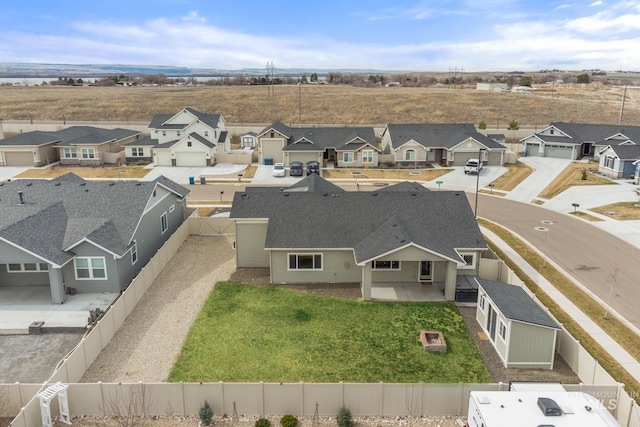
588	254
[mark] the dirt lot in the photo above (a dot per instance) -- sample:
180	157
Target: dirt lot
322	104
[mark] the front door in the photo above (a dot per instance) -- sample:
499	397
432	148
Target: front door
426	268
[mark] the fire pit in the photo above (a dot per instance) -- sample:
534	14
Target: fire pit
433	341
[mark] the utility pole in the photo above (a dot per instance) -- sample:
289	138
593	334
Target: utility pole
624	96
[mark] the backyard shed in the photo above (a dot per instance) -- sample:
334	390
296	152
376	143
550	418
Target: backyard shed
521	331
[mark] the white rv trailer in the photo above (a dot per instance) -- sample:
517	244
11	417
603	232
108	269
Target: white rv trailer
537	409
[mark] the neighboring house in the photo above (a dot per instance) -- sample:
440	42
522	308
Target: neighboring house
492	86
416	145
29	149
522	332
249	140
84	236
314	233
140	150
344	146
636	176
91	146
619	161
188	138
574	140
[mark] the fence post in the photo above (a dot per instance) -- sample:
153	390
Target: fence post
380	399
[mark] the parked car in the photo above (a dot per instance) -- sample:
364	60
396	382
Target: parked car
296	169
279	170
313	167
473	166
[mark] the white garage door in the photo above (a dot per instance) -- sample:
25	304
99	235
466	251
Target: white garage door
191	159
18	158
460	157
558	151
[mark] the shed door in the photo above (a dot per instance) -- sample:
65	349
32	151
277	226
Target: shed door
492	320
18	158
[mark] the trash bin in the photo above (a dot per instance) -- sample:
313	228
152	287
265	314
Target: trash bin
192	180
270	162
266	162
203	180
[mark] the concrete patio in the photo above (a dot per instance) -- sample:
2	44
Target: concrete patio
22	305
406	292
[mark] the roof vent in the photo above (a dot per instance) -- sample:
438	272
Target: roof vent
138	183
549	407
375	194
29	184
286	194
111	184
21	202
82	184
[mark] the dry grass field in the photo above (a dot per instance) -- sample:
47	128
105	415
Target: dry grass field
322	104
623	211
573	175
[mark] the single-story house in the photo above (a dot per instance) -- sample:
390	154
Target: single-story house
315	234
521	331
416	145
188	138
29	149
84	236
618	161
91	146
249	140
342	146
140	150
574	140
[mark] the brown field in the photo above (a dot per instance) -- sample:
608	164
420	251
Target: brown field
623	211
516	173
132	172
322	104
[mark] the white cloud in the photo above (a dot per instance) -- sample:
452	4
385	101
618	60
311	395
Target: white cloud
193	17
596	3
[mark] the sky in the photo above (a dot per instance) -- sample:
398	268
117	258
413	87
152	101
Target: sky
408	35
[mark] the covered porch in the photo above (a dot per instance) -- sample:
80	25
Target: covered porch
22	305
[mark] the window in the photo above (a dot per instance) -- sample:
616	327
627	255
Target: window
178	133
88	153
137	152
206	133
156	131
469	259
164	133
609	162
164	225
305	261
27	267
386	265
410	155
367	156
503	331
347	157
90	268
69	153
172	208
188	143
482	302
134	253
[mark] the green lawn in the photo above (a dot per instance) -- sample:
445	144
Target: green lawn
271	334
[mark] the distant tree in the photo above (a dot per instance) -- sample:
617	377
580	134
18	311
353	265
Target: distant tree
583	78
482	125
513	125
314	77
525	81
70	82
303	79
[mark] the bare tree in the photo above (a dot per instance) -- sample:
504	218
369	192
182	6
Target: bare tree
128	407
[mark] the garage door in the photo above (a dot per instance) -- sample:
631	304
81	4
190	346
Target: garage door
191	159
494	158
18	158
460	157
558	152
302	157
532	149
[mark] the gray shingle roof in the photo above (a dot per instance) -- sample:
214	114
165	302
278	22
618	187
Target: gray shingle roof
142	142
59	213
278	127
442	135
404	186
516	304
369	222
321	138
627	151
35	138
586	132
159	120
88	135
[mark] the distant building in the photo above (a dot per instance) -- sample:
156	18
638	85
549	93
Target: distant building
491	86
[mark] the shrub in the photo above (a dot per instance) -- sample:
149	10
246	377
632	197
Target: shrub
344	417
263	422
482	125
584	175
288	421
205	414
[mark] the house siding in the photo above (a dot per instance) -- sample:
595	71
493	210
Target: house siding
11	254
111	284
408	273
337	267
250	241
20	279
530	346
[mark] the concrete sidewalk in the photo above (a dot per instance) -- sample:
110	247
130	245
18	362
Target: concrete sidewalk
611	346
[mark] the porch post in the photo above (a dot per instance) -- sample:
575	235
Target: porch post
56	284
450	282
365	286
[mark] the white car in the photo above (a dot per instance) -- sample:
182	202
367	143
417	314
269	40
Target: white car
279	170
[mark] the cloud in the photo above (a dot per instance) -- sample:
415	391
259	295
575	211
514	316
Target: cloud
193	17
596	3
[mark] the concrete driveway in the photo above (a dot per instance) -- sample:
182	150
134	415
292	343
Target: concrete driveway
264	176
8	172
458	180
546	169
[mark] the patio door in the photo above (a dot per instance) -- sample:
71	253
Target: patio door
491	323
426	271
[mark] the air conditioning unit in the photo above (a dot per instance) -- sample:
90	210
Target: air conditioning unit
549	407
